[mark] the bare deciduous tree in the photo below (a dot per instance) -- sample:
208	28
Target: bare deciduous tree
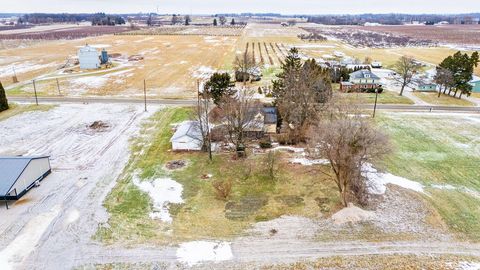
444	78
349	142
202	118
243	65
222	20
406	67
238	116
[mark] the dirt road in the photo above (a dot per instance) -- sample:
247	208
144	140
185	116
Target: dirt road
66	208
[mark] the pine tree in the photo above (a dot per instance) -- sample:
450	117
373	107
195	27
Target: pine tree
3	99
215	22
461	67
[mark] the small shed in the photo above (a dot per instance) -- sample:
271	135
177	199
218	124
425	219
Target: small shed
376	64
187	137
427	87
20	174
88	57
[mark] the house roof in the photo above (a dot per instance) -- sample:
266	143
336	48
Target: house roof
87	48
12	168
190	129
363	74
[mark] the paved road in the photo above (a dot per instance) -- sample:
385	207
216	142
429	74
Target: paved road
102	100
189	102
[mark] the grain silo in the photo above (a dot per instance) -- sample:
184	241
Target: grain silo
88	57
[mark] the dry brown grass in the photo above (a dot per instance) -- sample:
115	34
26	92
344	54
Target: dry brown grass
168	65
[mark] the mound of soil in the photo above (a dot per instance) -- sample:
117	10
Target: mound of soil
176	164
352	214
135	58
98	125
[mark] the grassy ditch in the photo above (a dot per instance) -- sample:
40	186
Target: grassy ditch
432	98
440	150
16	109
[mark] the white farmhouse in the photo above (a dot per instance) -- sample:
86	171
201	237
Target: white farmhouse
88	58
187	137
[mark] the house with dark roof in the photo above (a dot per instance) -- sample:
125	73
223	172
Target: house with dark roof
360	81
187	137
19	174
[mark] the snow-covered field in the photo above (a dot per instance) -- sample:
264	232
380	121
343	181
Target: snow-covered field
66	209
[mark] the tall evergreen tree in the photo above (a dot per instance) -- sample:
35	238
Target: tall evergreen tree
300	92
3	99
215	22
219	86
461	66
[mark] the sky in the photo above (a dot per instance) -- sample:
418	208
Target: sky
229	6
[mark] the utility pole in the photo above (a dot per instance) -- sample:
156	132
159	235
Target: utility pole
375	106
58	87
145	93
35	91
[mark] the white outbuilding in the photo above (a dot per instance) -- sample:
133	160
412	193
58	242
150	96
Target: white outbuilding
187	137
88	57
19	174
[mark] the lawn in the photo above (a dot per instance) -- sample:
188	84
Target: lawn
19	109
255	195
387	97
432	98
440	149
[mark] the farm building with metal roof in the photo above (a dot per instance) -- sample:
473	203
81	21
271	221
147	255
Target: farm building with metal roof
19	174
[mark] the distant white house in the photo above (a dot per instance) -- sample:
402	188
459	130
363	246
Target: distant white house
187	137
88	57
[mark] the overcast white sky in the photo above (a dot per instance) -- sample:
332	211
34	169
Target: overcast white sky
229	6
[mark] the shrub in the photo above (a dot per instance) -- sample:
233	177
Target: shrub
222	189
265	143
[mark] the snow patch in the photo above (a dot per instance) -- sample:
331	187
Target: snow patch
23	67
89	81
290	148
377	181
309	162
195	252
203	72
469	266
25	243
162	191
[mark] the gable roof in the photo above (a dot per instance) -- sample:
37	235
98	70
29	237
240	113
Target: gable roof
360	74
190	129
12	168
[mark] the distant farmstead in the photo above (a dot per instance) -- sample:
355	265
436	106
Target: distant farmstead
360	80
88	58
187	137
20	174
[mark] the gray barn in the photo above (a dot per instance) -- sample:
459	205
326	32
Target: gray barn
19	174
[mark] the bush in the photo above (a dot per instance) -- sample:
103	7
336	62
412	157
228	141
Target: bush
222	189
265	143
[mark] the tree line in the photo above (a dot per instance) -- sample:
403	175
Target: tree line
95	19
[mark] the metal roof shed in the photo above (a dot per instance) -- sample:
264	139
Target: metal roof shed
19	174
